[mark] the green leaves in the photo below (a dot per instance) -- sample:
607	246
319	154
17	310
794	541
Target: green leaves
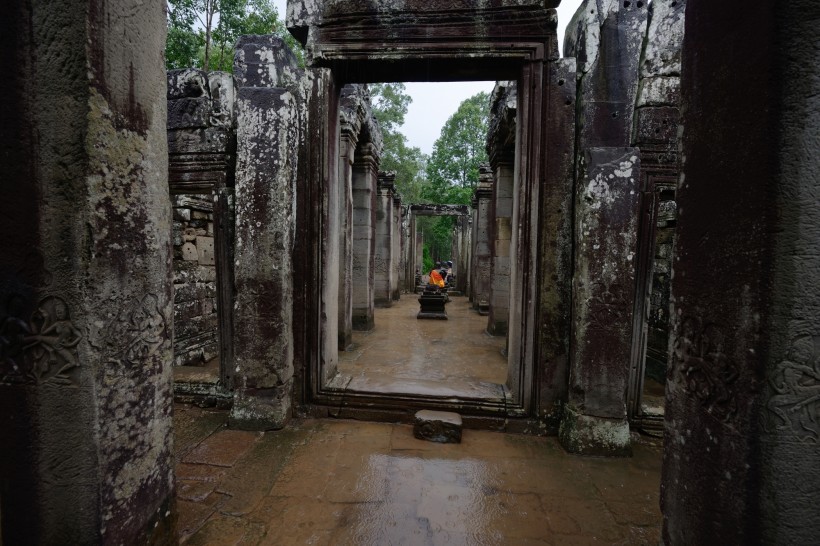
453	168
389	103
202	33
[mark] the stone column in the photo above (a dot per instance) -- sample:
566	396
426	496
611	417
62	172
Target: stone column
398	263
383	260
461	264
556	242
482	256
365	172
347	148
607	46
502	207
606	231
743	390
267	140
86	317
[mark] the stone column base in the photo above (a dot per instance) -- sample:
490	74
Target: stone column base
261	409
589	435
363	323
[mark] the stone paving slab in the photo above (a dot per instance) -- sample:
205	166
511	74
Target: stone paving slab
347	482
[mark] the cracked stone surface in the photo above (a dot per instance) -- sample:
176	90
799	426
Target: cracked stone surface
350	482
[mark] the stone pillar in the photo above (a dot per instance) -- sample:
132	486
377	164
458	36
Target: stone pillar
383	255
398	262
743	390
606	230
365	172
461	263
482	256
86	316
555	269
502	208
409	250
267	140
607	46
347	148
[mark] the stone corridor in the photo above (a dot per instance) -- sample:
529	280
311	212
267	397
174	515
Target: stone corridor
404	353
347	482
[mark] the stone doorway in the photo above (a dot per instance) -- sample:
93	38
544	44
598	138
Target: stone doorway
477	47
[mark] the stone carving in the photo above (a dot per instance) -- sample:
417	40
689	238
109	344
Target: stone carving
136	333
42	349
703	369
606	306
380	264
795	382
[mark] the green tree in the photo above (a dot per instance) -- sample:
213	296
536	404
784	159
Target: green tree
202	33
390	102
453	167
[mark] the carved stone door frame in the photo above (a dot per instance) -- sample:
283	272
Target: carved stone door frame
513	42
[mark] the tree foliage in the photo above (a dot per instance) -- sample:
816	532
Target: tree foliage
390	103
202	33
453	168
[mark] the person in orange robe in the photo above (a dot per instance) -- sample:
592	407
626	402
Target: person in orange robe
435	276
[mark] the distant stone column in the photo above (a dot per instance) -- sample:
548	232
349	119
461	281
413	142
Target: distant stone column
462	258
267	143
365	172
606	231
742	416
482	256
502	207
383	260
347	149
398	263
86	310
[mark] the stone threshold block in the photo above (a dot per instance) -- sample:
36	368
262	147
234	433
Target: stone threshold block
438	426
589	435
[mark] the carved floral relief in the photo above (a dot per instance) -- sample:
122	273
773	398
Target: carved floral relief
704	370
794	384
41	349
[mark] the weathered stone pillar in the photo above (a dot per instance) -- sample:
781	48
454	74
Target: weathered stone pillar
398	261
555	269
743	390
365	172
482	255
607	47
267	140
462	257
86	317
383	260
502	207
606	230
347	148
409	251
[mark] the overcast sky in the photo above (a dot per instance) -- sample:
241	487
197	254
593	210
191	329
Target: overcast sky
434	103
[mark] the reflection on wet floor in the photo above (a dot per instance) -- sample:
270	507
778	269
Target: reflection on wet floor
402	352
347	482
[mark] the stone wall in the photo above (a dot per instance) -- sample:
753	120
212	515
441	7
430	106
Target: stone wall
196	335
201	170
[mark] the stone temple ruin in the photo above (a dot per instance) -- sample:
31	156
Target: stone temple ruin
648	220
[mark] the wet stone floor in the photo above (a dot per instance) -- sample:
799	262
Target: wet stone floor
403	354
349	482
